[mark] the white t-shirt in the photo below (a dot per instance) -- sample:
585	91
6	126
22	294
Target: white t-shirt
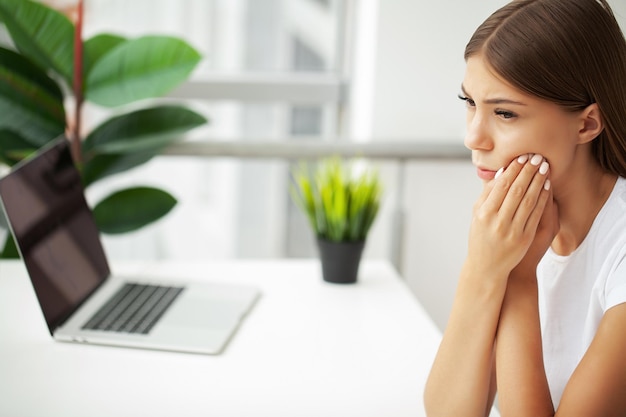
576	290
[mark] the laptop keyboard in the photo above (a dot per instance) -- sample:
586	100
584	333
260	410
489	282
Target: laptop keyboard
135	308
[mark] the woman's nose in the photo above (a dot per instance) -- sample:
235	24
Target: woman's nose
478	136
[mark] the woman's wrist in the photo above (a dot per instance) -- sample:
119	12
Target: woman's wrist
483	281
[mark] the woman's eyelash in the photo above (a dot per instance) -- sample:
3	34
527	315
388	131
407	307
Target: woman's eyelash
502	113
467	100
505	114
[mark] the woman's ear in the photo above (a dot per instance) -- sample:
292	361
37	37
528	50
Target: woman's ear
591	123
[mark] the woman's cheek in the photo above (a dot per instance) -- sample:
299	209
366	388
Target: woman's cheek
513	143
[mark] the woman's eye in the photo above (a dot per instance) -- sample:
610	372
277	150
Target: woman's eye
468	101
505	114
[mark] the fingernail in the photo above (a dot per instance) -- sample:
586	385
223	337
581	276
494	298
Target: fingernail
536	159
522	159
544	168
546	185
498	173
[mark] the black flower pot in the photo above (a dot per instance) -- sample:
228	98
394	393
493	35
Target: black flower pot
340	260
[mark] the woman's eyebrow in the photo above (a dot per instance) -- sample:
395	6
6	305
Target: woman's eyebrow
495	100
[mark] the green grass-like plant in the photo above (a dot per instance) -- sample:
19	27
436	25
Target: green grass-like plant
340	198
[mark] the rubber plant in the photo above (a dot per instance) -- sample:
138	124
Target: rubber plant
49	63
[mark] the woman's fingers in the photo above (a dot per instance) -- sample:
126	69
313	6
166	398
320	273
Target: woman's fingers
501	184
517	190
532	203
531	213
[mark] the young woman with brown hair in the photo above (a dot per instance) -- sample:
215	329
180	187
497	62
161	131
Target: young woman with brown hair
540	310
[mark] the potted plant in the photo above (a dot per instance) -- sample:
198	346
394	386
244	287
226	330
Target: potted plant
49	66
341	200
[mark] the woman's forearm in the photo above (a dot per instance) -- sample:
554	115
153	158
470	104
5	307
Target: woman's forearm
522	384
461	377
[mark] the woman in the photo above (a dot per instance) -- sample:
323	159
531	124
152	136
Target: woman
540	310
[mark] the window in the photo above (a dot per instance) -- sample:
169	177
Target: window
270	72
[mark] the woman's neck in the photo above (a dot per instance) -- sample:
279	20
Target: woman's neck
579	201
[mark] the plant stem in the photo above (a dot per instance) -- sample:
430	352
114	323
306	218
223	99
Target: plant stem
78	85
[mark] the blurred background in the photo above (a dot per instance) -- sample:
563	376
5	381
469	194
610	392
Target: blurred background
367	74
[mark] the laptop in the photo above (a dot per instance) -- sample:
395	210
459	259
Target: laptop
59	242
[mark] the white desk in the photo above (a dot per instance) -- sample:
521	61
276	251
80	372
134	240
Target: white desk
308	348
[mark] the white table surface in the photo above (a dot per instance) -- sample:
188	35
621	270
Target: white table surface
308	348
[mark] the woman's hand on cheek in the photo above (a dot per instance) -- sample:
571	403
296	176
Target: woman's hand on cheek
507	215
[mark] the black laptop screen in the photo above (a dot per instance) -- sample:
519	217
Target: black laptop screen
54	230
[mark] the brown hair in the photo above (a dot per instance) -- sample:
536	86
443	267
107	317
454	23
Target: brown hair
572	53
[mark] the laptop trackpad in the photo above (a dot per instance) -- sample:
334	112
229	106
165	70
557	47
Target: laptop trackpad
199	312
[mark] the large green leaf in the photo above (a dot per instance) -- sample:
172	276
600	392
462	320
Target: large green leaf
132	209
41	33
140	68
4	224
31	103
142	130
97	47
103	165
13	148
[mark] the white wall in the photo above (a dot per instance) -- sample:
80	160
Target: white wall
412	74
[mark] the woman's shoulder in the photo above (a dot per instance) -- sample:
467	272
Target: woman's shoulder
608	232
620	187
615	205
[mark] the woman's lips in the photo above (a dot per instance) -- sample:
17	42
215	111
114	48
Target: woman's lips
485	174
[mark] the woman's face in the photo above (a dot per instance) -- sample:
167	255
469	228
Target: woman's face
504	123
